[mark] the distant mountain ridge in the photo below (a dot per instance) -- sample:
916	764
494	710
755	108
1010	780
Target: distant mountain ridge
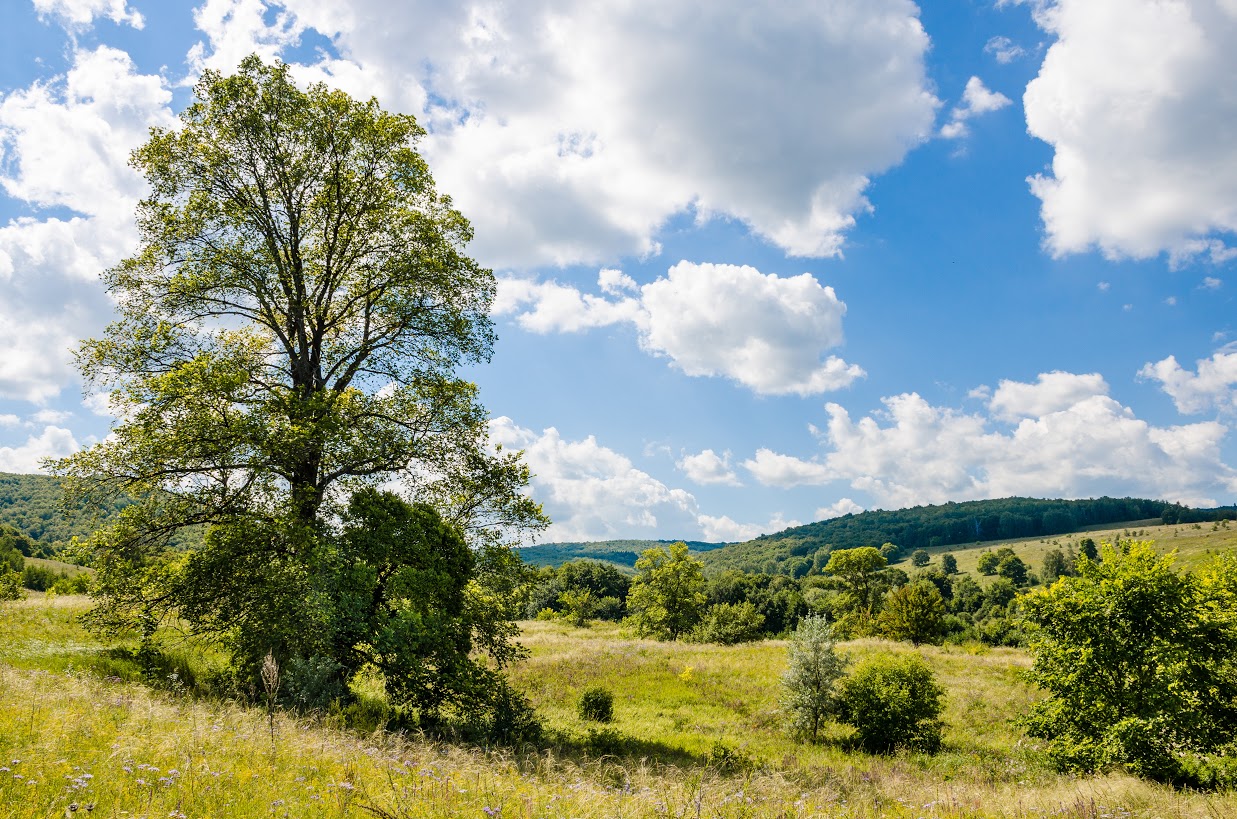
621	553
802	549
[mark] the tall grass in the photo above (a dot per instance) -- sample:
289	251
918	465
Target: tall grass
73	735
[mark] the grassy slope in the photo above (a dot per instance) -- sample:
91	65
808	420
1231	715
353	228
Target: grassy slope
1194	543
157	754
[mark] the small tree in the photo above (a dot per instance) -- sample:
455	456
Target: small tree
914	612
988	563
892	701
920	558
1054	565
1013	569
668	595
809	684
949	563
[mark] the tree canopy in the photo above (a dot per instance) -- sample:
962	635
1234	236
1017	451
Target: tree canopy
1137	660
289	332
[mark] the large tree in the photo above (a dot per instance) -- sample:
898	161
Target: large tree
289	332
1137	662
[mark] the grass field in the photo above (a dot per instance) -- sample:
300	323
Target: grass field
1194	543
696	733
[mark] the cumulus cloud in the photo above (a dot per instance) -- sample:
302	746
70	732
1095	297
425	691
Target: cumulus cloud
53	442
237	28
1212	386
977	99
1051	392
843	506
571	133
65	144
786	471
766	332
723	529
76	15
592	492
913	453
1127	96
707	467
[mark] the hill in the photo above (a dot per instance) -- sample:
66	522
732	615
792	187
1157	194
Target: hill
620	553
802	549
32	504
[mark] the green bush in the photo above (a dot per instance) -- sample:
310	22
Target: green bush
10	586
892	702
730	623
596	704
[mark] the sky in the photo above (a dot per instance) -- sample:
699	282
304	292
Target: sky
758	264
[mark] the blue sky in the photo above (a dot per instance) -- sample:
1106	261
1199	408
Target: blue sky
757	265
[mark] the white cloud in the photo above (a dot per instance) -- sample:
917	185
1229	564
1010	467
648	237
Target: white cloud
977	99
66	144
51	416
8	419
1004	49
723	529
915	453
1103	287
844	506
80	14
592	492
1212	283
766	332
786	471
1128	96
53	442
237	28
707	467
1211	386
560	308
1052	392
571	133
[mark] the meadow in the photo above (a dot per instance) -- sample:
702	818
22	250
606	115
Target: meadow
697	733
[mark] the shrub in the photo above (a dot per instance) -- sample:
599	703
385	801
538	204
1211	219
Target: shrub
892	702
920	557
596	704
808	686
10	586
730	623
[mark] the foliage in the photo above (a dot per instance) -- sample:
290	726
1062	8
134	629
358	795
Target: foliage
929	527
1137	662
892	702
920	557
949	563
809	686
10	585
596	704
606	588
1013	569
988	561
289	333
914	612
667	597
857	568
728	624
